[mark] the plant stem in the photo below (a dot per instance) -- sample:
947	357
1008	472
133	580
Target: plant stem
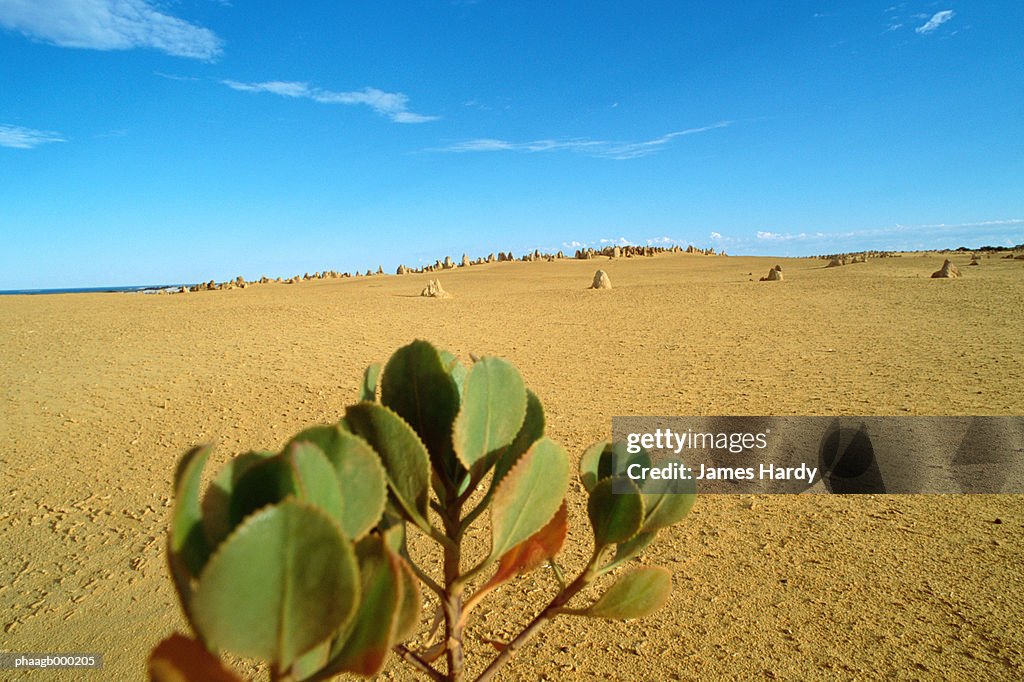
549	612
410	657
452	599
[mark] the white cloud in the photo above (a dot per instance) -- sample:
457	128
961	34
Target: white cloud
600	148
938	19
175	77
394	105
17	137
108	25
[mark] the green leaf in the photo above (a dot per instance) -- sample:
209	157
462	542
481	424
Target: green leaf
660	509
315	478
364	484
456	370
310	663
368	391
402	453
629	549
417	387
594	466
531	431
598	462
409	611
392	530
217	501
371	637
263	483
360	476
664	509
492	413
188	540
283	582
533	551
615	517
528	496
634	595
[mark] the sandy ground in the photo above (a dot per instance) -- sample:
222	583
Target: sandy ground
101	393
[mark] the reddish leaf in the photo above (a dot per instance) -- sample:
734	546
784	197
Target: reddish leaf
183	659
533	551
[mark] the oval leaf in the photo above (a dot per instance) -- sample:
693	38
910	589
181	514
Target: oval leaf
409	612
282	583
532	552
591	465
614	517
360	475
599	462
264	483
404	457
634	595
664	509
629	549
368	391
529	495
419	389
315	478
188	540
371	636
493	410
456	370
531	431
364	484
217	501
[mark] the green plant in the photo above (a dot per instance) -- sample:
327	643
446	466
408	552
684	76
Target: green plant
300	558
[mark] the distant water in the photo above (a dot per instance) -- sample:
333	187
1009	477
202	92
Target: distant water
146	289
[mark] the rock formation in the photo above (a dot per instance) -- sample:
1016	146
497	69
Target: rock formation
601	280
434	290
948	270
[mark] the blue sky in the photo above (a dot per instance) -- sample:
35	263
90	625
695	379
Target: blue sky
158	141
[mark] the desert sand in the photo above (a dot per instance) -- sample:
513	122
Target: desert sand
100	394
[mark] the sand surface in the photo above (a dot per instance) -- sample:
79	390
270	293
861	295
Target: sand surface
101	393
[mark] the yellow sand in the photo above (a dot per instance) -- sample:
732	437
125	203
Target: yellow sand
101	393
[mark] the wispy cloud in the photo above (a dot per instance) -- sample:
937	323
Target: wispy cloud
175	77
601	148
938	19
17	137
109	25
394	105
896	229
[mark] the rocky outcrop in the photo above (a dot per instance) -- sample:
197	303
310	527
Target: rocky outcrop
434	290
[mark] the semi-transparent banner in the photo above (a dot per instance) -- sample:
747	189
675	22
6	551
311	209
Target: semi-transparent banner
820	454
